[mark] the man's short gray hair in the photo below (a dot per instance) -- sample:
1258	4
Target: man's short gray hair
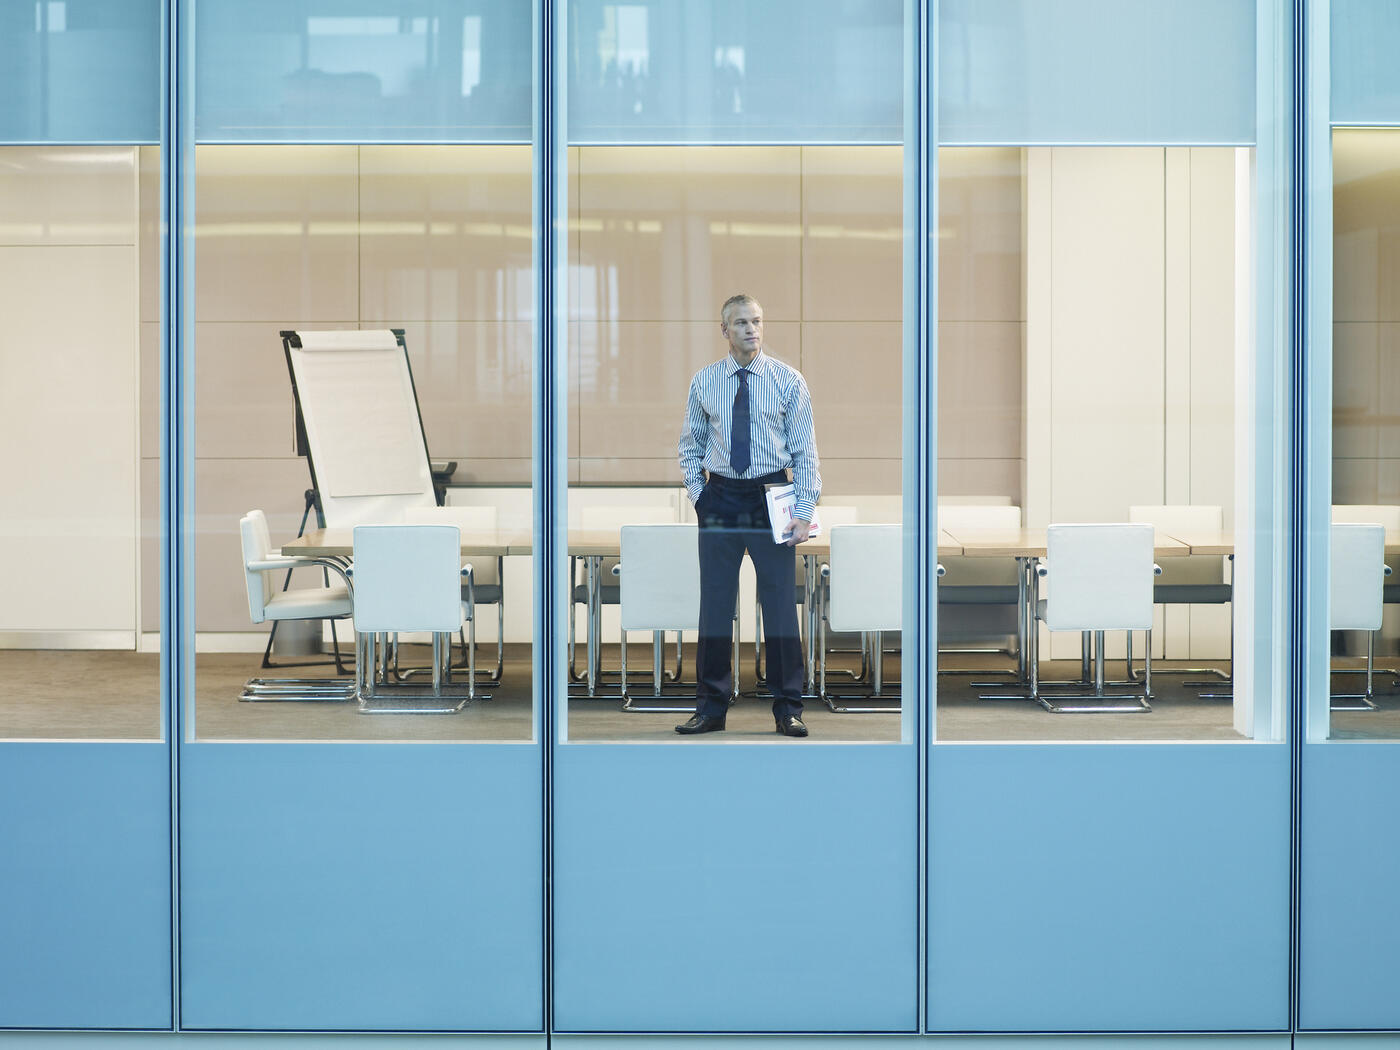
741	299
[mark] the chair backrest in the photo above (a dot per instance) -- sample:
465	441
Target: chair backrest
954	516
257	546
468	519
660	578
867	578
615	517
1363	514
1100	577
1358	577
1169	519
408	578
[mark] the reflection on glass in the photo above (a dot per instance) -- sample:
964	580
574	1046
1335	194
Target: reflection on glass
1090	308
1365	434
815	71
405	273
663	237
273	70
80	420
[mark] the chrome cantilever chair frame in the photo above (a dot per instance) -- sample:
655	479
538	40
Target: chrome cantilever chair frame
409	578
1358	599
678	610
871	611
259	563
1134	612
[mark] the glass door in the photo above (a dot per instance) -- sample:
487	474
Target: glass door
1108	774
735	763
84	747
361	773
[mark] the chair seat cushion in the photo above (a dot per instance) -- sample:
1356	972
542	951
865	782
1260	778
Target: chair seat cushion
486	593
309	604
988	594
1191	593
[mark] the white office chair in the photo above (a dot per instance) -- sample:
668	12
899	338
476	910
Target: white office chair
1380	514
828	514
488	580
600	590
265	602
1101	580
409	578
1357	597
1193	580
863	591
986	590
659	590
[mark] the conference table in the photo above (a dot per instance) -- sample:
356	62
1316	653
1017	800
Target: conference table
593	546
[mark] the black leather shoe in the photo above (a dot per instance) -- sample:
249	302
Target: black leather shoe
791	725
705	724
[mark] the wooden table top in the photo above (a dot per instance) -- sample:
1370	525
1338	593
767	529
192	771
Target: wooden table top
340	543
1030	543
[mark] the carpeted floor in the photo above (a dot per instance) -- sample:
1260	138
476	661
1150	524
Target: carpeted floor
115	695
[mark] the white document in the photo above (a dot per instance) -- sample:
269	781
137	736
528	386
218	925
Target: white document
781	501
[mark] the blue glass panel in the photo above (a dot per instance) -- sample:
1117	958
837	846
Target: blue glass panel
1096	71
80	71
362	70
1365	75
733	71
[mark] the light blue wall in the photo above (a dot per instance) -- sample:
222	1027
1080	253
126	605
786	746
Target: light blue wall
728	71
1096	71
381	71
80	71
1365	73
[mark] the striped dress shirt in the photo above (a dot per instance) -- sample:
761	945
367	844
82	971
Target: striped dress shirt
783	435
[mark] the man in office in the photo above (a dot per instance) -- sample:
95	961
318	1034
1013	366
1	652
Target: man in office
748	421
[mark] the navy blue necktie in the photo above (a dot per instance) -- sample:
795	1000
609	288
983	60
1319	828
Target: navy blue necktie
739	446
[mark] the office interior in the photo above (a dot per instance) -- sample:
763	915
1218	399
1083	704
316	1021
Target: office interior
1088	344
1119	322
1089	340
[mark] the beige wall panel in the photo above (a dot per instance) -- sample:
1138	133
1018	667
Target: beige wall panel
1355	403
225	490
575	335
844	477
243	394
69	402
445	233
148	230
980	477
1038	435
276	233
1106	384
980	215
1177	332
151	530
979	389
474	389
855	373
853	228
1387	483
1213	330
149	336
666	233
573	216
634	378
1366	225
656	470
1356	481
1388	390
67	195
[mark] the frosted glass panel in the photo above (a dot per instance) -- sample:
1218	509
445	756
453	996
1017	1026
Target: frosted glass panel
789	71
80	71
1096	71
1365	78
380	71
